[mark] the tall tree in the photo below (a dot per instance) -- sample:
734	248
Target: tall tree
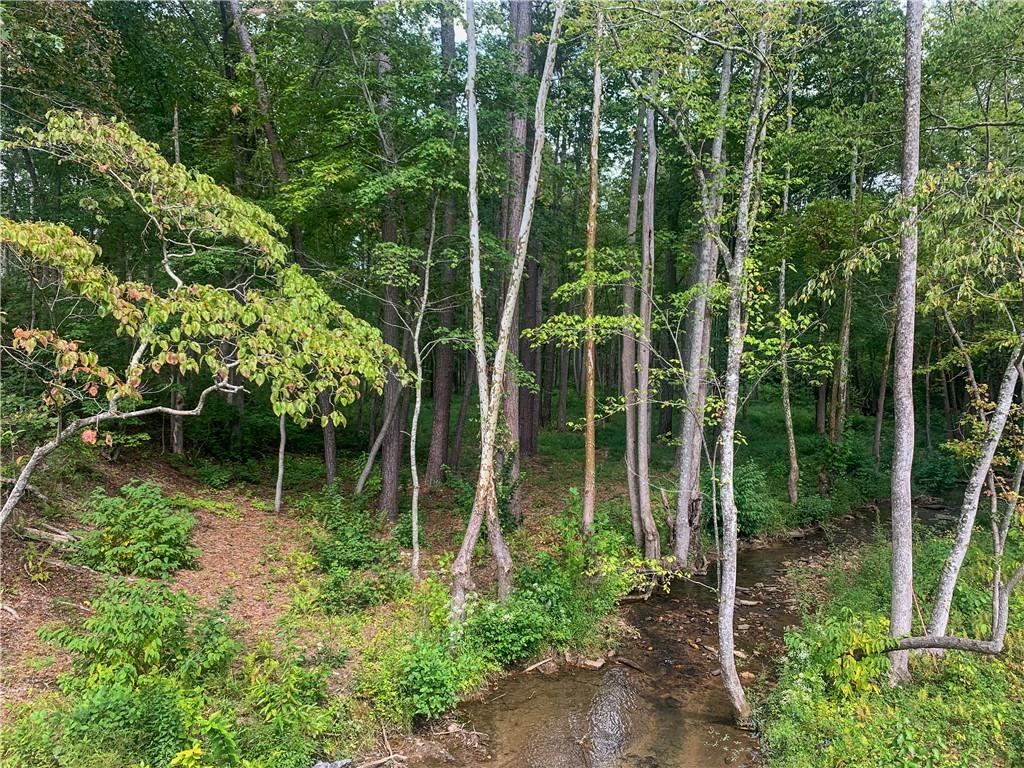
589	498
444	354
901	611
490	391
629	347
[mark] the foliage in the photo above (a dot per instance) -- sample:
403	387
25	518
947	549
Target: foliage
155	681
139	532
757	511
937	472
832	707
359	560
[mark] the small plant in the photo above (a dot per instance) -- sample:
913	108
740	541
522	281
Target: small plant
812	509
511	632
144	627
35	563
139	532
428	678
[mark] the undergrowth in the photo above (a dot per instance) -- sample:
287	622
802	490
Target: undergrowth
832	707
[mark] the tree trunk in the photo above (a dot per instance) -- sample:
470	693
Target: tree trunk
279	488
901	611
563	385
414	472
793	479
269	129
444	358
589	498
736	332
389	416
444	355
549	367
652	541
972	496
490	394
927	399
880	406
529	400
668	346
688	497
330	441
460	425
628	357
520	19
840	378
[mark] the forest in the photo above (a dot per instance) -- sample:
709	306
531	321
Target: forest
541	383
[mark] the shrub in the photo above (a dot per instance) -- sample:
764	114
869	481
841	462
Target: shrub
831	708
428	678
757	512
937	472
345	590
144	628
139	532
812	509
511	632
360	563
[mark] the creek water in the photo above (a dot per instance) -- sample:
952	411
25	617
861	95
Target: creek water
659	701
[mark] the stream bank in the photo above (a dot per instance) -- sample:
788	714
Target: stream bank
657	700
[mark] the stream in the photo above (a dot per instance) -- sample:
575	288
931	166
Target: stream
658	700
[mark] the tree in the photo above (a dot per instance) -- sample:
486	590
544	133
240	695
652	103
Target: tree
268	330
490	392
589	497
901	612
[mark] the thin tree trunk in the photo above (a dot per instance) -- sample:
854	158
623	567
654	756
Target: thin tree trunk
880	406
549	368
793	479
688	497
628	357
269	129
529	400
840	378
378	441
563	385
177	423
444	355
444	358
589	498
490	394
652	540
460	425
972	496
279	488
330	440
901	611
418	401
927	399
520	18
736	331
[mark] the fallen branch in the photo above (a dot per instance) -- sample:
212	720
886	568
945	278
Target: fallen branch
383	760
540	663
630	663
27	489
56	537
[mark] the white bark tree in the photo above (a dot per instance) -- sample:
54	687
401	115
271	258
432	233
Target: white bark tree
490	388
901	609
